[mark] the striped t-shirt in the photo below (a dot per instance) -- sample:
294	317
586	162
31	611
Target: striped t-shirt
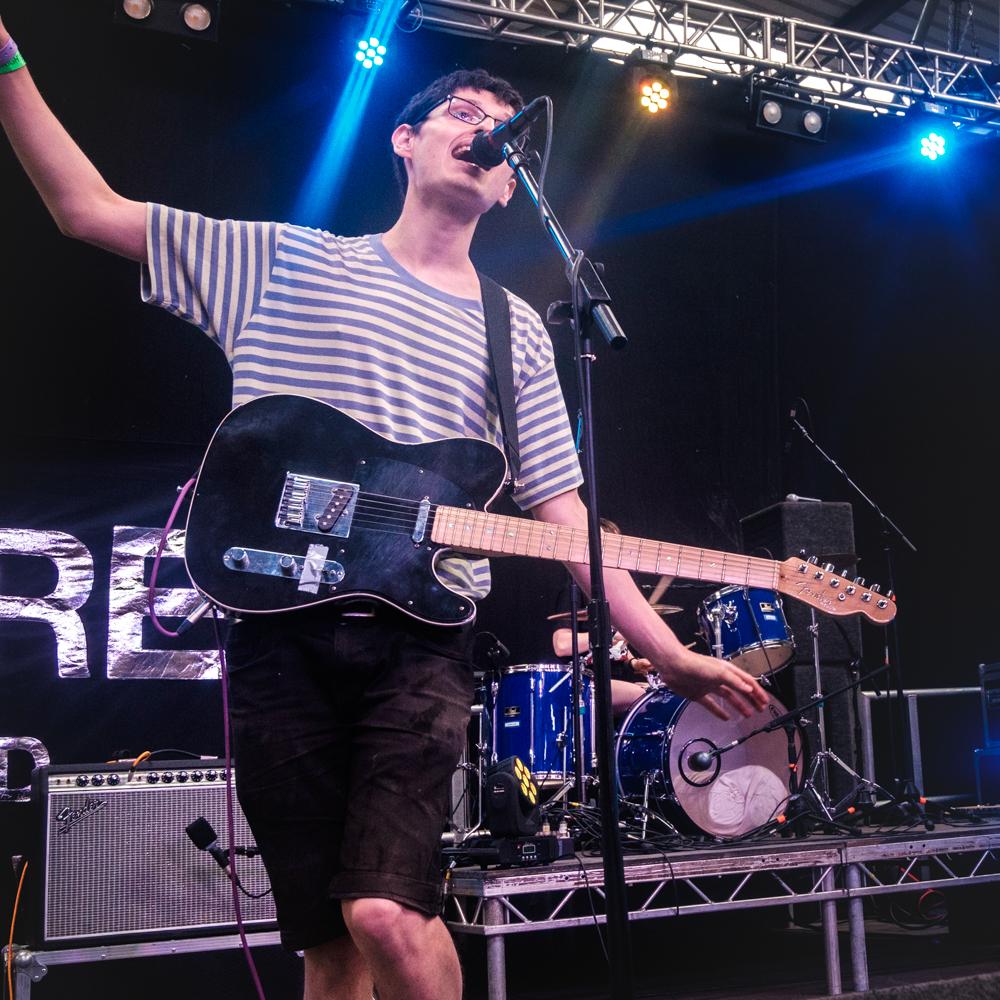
338	319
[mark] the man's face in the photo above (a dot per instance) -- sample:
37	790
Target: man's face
435	170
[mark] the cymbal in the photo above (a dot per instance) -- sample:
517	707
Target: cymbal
581	615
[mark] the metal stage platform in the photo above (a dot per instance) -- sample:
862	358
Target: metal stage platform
778	871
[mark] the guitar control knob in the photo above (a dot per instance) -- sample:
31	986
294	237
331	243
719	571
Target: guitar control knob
239	557
287	564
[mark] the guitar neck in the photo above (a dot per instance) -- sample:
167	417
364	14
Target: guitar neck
497	534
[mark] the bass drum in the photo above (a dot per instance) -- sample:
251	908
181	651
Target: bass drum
728	795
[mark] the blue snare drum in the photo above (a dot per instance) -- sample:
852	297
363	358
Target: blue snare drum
742	789
749	625
530	708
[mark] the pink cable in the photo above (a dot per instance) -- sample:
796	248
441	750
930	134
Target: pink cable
230	812
151	592
224	678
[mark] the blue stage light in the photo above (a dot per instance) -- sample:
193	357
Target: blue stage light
370	53
932	146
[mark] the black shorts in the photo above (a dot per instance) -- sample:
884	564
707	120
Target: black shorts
347	731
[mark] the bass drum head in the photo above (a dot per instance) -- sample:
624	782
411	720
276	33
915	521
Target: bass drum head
751	785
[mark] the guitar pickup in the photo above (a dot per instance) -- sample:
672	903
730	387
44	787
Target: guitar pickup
321	506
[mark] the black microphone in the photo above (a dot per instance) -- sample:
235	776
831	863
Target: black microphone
701	761
204	837
486	150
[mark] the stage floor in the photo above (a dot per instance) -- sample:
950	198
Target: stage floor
816	880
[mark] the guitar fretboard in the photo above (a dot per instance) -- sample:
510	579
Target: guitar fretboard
497	534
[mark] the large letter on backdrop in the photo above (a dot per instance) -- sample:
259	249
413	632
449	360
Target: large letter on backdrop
75	579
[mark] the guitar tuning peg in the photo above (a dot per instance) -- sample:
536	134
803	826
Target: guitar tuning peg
875	588
891	594
828	567
859	580
844	574
813	559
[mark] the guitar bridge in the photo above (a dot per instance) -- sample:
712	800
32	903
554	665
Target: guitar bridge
321	506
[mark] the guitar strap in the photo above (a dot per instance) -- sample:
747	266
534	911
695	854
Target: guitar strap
496	310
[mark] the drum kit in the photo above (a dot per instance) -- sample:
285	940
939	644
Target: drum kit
678	765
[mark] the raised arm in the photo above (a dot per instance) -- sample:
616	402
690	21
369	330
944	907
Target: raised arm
76	195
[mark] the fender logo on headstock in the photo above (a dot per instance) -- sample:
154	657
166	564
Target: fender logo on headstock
818	598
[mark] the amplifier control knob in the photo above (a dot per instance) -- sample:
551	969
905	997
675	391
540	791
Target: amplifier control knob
210	775
196	775
82	780
168	777
182	776
152	778
97	779
113	779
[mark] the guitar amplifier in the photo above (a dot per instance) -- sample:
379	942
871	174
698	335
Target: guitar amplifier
115	863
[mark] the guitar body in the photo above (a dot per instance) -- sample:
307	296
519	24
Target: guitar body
296	504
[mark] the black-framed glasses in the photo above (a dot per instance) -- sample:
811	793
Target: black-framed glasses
461	108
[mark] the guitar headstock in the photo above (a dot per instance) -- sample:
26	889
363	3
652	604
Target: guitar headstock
834	593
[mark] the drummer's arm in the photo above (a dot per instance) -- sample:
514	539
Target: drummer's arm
562	642
713	682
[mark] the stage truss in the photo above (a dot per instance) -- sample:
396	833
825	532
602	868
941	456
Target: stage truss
569	893
839	67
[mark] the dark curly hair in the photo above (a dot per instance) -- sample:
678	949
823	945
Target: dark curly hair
436	92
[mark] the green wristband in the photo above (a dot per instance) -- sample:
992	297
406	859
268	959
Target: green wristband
16	63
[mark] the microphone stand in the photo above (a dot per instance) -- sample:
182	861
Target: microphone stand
903	787
589	307
797	793
578	749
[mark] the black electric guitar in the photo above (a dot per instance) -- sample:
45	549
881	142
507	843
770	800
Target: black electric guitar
297	504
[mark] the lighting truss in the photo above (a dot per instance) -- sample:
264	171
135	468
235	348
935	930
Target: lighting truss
843	68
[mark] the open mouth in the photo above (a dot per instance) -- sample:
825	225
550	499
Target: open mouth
464	153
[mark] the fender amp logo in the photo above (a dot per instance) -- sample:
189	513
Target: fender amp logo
68	818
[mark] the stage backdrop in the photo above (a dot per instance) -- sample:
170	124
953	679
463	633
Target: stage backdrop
751	273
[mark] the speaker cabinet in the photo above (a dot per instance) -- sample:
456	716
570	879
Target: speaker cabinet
114	862
989	684
825	530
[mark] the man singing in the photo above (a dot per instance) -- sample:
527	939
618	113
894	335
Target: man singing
348	718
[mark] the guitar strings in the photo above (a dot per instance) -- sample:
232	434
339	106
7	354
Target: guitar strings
380	512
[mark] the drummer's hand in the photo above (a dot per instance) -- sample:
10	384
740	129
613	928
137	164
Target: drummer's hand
716	684
642	666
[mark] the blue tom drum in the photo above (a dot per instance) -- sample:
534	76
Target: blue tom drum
747	626
530	712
